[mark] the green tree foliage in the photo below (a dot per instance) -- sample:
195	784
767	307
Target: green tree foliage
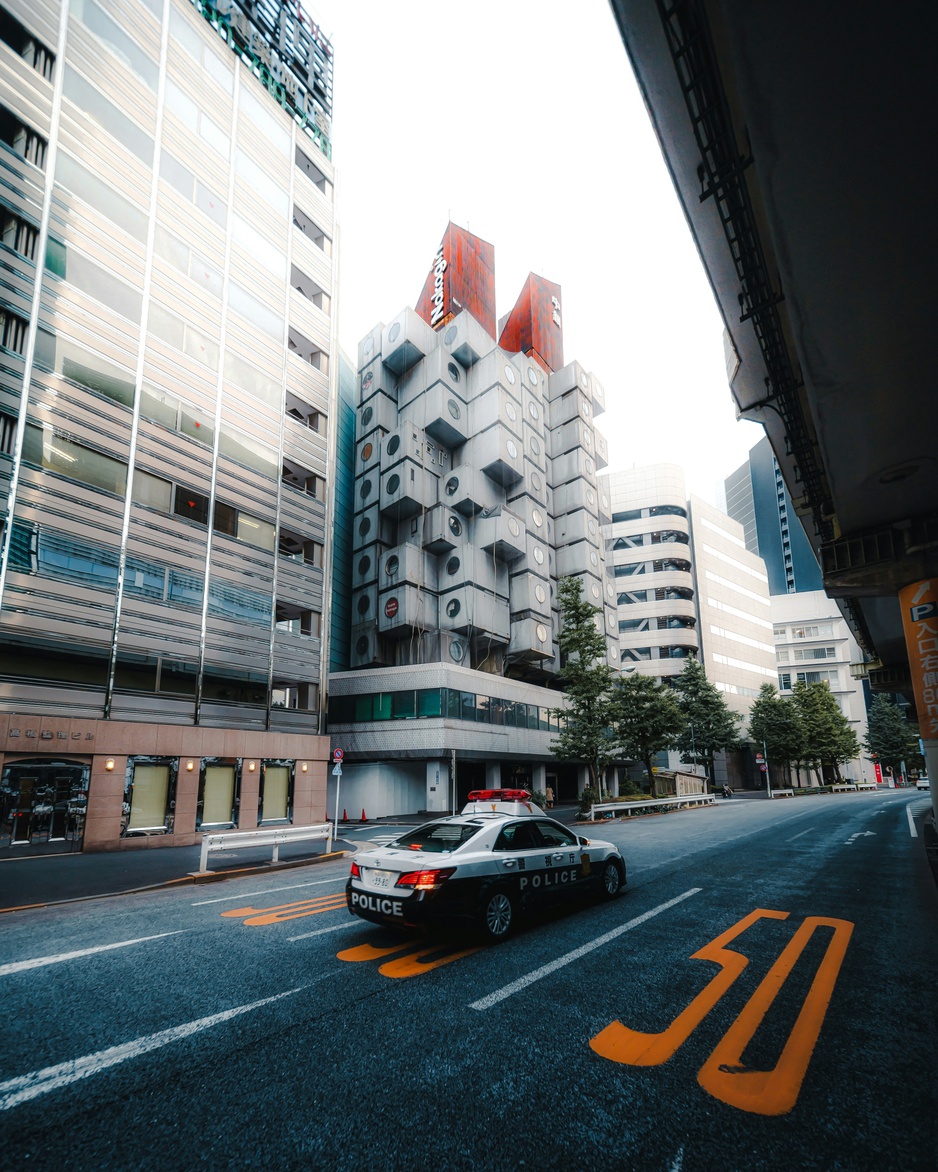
646	719
889	736
586	734
775	723
711	726
828	738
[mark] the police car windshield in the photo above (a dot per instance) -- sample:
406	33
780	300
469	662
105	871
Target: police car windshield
437	837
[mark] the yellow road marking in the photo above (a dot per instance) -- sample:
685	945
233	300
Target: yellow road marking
420	962
369	952
619	1043
775	1091
257	917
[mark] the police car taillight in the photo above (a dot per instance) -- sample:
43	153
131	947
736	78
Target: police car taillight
356	872
425	880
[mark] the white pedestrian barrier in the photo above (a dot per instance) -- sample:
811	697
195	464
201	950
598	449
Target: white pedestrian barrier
275	836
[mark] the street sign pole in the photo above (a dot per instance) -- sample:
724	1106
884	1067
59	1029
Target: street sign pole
337	756
768	775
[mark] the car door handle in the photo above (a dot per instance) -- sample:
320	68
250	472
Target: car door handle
509	862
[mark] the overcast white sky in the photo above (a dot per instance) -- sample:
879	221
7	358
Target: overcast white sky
521	121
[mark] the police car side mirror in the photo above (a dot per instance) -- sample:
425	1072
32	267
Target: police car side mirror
582	841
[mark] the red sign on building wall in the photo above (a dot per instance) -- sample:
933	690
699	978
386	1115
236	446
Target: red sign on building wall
462	276
534	327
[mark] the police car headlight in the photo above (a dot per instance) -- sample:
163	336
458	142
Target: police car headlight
425	880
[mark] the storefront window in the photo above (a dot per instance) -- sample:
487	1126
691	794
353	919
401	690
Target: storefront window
217	797
149	798
276	793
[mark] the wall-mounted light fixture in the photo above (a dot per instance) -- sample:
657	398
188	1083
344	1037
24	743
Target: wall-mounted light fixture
250	767
304	767
190	765
109	764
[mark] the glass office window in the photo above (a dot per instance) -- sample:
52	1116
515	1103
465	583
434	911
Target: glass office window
381	706
404	706
216	801
100	195
44	449
429	702
275	793
152	491
149	797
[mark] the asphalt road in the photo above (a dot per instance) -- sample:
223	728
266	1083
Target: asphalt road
255	1024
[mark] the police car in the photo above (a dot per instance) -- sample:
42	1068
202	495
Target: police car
499	858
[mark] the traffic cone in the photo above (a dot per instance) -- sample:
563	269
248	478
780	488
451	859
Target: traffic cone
364	819
344	814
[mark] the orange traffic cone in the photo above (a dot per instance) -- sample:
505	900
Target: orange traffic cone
344	814
364	819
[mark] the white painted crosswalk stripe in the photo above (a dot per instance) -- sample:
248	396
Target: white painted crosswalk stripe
39	1082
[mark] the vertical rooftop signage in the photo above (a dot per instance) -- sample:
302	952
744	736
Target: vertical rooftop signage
462	276
535	326
286	50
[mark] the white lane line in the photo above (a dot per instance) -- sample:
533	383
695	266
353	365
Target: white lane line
325	931
38	1082
39	962
678	1160
794	836
912	829
343	879
570	957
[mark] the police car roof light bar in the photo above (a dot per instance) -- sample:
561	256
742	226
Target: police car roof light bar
499	795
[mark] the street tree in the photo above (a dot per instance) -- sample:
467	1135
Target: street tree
586	733
711	726
646	719
890	738
828	738
775	725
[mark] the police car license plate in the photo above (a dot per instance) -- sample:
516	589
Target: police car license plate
381	878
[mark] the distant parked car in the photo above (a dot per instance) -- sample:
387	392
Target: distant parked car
922	783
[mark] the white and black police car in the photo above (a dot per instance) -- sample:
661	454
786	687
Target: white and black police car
498	859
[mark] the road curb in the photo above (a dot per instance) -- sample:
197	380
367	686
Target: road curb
190	879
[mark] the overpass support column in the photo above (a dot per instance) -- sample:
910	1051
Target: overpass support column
919	605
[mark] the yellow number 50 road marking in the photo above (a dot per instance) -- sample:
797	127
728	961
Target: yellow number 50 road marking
723	1075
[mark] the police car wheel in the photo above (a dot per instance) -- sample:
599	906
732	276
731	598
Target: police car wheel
498	915
610	879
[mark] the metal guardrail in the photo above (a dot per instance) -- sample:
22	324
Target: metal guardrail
654	803
275	836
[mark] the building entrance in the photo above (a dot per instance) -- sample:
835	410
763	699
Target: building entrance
42	807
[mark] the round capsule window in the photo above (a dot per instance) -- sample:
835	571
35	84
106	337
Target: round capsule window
368	347
588	464
535	445
392	445
455	526
537	517
367	379
613	653
591	496
393	483
365	489
368	451
452	486
604	503
595	591
510	375
532	376
392	565
594	558
367	416
364	526
512	449
452	566
453	371
450	336
586	409
510	410
535	482
591	526
540	593
453	608
587	437
513	527
584	381
533	411
456	651
541	631
394	332
538	555
361	644
453	408
364	565
364	604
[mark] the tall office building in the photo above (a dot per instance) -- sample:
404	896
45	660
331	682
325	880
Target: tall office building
475	492
166	398
757	498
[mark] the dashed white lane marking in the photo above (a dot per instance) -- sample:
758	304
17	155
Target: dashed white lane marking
340	881
912	829
570	957
356	923
39	962
860	834
38	1082
678	1160
794	836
